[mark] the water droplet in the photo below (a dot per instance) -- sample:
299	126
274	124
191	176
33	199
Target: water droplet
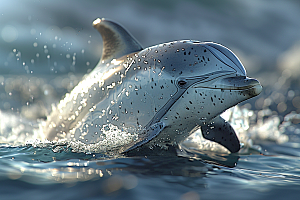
106	128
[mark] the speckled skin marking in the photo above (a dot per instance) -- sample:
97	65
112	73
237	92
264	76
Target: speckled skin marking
163	93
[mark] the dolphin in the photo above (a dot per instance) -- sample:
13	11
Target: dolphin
152	97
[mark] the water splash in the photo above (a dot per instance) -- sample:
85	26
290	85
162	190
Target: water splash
251	128
15	130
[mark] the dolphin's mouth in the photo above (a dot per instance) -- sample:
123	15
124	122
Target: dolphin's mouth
235	83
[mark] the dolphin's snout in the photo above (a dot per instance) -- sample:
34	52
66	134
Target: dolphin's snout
237	83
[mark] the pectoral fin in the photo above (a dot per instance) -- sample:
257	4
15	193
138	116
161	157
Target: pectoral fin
220	131
145	136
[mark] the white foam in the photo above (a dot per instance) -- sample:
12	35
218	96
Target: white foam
250	128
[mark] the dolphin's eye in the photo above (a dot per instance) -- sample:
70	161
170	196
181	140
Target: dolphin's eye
182	82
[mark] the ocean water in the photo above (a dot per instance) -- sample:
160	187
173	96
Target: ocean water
45	49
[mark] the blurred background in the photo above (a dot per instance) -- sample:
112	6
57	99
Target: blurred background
47	46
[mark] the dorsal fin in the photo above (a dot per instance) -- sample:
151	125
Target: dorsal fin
117	41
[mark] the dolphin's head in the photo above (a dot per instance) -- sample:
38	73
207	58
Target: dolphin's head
214	79
209	79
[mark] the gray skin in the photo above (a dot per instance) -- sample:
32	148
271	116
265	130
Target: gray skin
161	94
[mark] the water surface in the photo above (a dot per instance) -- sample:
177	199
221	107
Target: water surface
46	47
